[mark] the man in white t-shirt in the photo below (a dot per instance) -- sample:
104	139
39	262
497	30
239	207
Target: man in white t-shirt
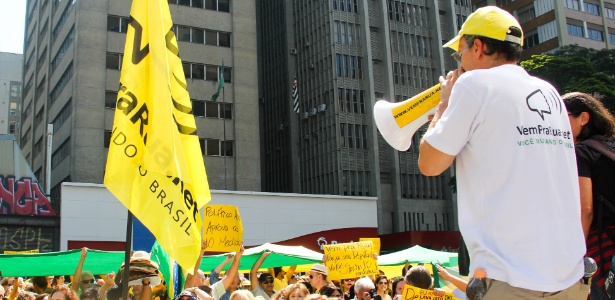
518	195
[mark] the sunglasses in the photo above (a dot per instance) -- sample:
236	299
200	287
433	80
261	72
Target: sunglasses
383	282
87	281
267	281
347	280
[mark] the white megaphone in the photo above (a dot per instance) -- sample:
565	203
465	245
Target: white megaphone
398	122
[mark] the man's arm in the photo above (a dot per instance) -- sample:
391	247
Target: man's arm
290	272
587	204
109	282
232	270
190	277
77	276
432	162
146	294
215	273
255	267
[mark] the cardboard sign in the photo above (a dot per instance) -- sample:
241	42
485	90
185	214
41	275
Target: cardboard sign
413	293
222	228
375	241
351	260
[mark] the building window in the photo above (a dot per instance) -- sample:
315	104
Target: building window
12	127
212	109
62	116
572	4
575	30
192	3
527	15
38	146
215	147
594	34
27	111
61	153
62	82
530	40
218	5
114	61
25	137
592	9
110	99
63	19
612	38
609	13
65	45
107	138
117	24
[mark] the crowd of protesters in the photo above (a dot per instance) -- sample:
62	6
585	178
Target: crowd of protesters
274	284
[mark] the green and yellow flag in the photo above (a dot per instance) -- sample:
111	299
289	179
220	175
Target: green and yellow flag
155	167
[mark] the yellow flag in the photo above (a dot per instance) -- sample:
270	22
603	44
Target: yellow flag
155	167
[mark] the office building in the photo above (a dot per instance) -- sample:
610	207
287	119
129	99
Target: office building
550	24
345	55
73	52
10	92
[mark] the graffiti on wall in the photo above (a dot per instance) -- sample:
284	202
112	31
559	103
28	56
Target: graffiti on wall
23	197
14	238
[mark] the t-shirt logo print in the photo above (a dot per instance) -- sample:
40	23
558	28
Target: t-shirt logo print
540	103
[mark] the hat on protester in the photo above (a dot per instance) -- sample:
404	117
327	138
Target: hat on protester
264	277
318	268
141	267
190	294
489	21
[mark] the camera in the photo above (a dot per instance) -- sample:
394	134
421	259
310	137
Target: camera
374	295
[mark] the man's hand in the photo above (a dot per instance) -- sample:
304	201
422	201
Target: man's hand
443	273
84	252
110	279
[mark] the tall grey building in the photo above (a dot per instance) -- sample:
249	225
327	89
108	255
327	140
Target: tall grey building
10	92
73	52
548	24
345	55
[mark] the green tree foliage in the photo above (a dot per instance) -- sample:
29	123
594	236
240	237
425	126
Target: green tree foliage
577	69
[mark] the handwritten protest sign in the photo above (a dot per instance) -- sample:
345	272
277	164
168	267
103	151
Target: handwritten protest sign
222	228
375	241
351	260
411	293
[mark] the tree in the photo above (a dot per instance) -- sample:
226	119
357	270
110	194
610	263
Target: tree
577	69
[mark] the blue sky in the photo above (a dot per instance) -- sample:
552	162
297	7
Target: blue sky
12	15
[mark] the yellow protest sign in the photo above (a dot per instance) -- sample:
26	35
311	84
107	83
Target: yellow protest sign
222	228
21	252
411	292
375	241
350	260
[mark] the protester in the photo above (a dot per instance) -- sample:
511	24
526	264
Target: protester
297	291
62	292
89	294
510	138
456	281
318	276
57	280
382	287
398	287
230	282
346	287
281	278
39	284
362	288
242	295
261	285
331	291
83	280
591	121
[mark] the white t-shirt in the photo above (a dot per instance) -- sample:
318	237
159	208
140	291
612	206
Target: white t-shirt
518	192
258	291
217	290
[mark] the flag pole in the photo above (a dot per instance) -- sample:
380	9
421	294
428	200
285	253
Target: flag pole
223	125
126	274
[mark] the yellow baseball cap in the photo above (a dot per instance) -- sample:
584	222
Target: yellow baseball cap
489	21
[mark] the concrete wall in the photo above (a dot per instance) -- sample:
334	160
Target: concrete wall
91	213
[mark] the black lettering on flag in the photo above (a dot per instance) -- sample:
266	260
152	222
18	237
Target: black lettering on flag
138	54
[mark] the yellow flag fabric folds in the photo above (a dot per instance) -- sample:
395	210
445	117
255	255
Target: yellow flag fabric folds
155	166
